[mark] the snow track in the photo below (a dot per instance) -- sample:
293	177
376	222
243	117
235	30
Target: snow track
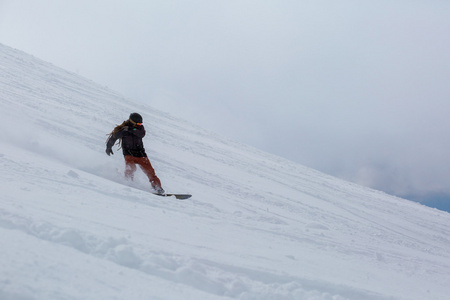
257	226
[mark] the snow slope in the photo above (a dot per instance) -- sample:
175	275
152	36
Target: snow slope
257	226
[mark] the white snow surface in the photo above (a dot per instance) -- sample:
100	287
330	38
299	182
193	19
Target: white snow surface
257	227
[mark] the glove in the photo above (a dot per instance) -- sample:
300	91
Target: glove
109	151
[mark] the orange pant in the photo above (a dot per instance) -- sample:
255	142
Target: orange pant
146	166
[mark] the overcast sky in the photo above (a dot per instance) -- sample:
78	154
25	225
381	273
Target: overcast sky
357	89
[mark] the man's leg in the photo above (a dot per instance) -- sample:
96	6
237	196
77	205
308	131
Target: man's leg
147	168
130	167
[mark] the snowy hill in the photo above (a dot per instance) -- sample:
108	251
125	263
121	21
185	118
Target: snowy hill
257	226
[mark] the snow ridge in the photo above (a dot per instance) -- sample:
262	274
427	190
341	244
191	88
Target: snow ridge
257	227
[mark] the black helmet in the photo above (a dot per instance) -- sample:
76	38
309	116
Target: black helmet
136	118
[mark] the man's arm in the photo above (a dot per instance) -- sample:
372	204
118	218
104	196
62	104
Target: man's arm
137	131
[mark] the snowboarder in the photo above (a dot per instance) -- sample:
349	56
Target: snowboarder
130	134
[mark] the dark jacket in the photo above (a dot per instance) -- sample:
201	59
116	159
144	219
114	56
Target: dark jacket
131	141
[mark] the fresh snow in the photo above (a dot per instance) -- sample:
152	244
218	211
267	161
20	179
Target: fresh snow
257	227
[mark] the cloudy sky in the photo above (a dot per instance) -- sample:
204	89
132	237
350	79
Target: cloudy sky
357	89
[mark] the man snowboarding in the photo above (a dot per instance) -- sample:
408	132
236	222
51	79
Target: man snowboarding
130	134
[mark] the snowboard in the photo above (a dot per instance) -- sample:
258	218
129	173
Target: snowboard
178	196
